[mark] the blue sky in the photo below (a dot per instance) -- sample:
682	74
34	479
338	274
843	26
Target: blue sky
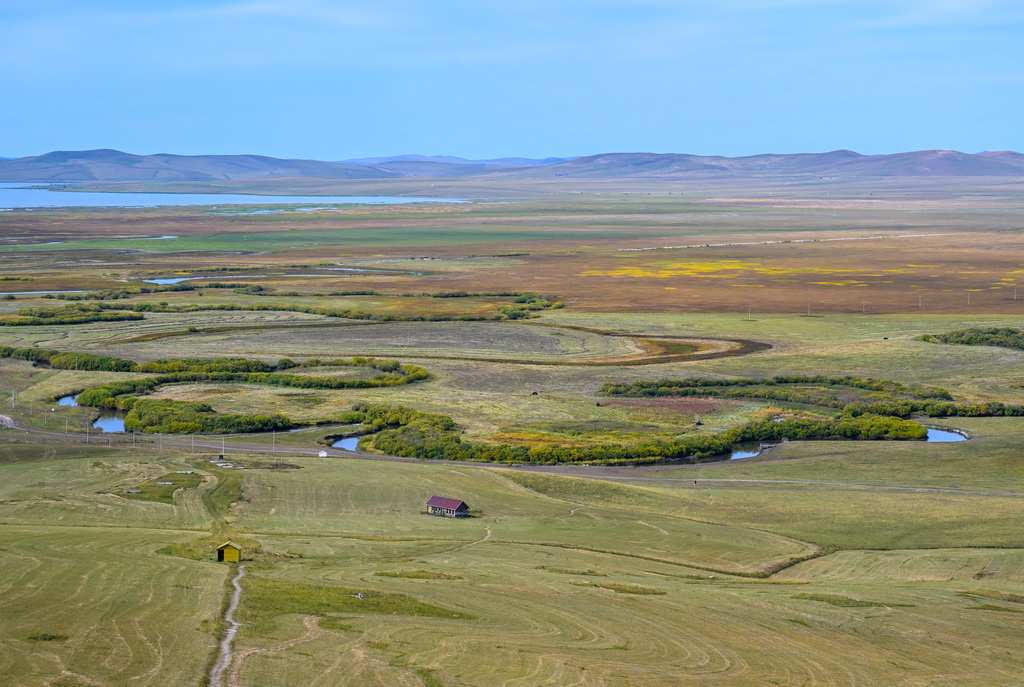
333	79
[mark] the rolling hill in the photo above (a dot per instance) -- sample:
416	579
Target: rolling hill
845	163
114	166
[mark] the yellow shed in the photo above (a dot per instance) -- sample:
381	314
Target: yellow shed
230	552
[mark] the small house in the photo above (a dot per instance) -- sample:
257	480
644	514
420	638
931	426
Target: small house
451	508
229	552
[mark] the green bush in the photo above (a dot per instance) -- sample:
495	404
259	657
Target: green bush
403	431
1004	337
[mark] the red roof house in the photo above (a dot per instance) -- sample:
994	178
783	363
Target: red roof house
452	508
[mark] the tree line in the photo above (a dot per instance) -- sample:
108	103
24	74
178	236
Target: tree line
524	306
885	400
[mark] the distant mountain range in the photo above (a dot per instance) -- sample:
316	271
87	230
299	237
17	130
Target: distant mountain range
112	166
447	159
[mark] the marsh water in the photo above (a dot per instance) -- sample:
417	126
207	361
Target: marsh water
746	449
109	421
751	449
244	275
348	443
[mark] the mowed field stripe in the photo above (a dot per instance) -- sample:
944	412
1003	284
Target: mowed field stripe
119	612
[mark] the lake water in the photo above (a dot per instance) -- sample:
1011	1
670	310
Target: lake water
68	400
17	195
349	443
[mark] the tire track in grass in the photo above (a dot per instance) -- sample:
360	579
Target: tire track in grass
312	631
481	540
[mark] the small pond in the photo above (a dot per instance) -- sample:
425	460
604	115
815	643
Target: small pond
348	443
746	449
110	421
943	435
68	400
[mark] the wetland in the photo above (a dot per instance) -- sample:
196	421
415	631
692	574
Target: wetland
777	308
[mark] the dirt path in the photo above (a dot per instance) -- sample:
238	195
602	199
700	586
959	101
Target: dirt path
481	540
224	659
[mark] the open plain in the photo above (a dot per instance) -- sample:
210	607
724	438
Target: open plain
815	563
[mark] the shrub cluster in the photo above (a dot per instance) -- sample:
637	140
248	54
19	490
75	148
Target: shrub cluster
68	361
205	365
227	369
708	387
189	417
406	432
935	409
182	417
1004	337
72	314
888	398
523	307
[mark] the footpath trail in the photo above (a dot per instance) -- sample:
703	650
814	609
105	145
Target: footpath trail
224	659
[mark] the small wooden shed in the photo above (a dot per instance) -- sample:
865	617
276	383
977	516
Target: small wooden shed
229	552
451	508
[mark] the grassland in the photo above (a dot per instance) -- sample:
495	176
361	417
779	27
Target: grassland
818	563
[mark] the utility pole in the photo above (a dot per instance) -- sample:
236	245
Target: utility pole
273	442
863	306
919	303
65	426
